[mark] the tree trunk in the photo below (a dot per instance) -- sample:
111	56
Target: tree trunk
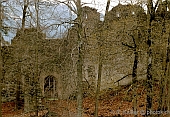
0	61
134	80
36	60
163	80
24	13
168	70
100	62
26	95
79	84
149	64
80	61
0	84
98	85
17	105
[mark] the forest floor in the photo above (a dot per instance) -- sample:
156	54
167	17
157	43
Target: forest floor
111	104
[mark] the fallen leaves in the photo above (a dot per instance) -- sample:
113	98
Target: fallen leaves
111	103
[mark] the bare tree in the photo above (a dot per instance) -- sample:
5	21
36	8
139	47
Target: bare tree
19	57
100	44
150	18
80	60
0	61
163	80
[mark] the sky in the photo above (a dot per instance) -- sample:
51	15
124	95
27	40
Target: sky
100	5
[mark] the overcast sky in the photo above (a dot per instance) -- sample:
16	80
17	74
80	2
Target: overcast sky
100	5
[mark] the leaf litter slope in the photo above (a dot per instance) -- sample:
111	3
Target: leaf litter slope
111	103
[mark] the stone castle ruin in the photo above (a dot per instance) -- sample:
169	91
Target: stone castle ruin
51	63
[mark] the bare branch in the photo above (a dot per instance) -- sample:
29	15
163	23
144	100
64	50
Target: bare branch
122	78
128	45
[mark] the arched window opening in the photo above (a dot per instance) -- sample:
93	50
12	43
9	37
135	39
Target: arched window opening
50	86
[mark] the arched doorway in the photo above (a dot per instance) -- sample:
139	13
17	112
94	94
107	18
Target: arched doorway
50	86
